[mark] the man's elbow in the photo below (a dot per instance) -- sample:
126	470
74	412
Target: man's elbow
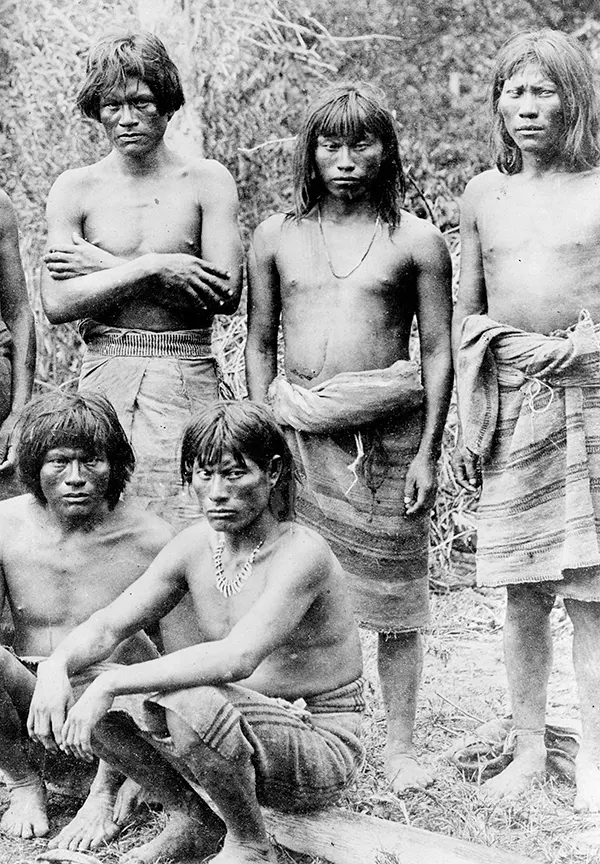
55	311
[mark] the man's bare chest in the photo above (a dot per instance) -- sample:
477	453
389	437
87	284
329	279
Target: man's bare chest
145	220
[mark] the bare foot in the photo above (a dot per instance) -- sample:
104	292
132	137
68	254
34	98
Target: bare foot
129	798
234	852
92	825
183	837
587	778
26	814
405	774
524	771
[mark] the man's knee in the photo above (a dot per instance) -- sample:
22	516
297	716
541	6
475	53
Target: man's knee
185	741
529	601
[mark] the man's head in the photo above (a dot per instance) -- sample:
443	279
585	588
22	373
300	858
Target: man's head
242	434
114	60
354	114
524	62
82	423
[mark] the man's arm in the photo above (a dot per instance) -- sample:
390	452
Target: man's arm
82	280
220	238
265	627
264	309
471	300
148	599
434	312
18	317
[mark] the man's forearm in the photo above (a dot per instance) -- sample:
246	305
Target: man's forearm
437	381
261	369
95	293
22	331
87	644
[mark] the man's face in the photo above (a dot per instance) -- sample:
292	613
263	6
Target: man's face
131	119
75	482
348	168
233	495
531	107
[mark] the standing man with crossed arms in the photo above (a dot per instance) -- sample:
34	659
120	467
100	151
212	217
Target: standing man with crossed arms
144	249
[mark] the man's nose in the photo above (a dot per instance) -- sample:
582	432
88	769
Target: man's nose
345	160
74	476
127	115
528	105
217	489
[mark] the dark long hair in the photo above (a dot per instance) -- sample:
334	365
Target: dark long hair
84	421
240	429
349	111
568	65
139	55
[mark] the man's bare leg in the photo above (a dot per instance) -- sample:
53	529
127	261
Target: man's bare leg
400	663
26	814
192	830
586	660
528	658
232	786
95	822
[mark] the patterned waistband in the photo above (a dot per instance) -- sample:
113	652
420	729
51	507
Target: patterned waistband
150	343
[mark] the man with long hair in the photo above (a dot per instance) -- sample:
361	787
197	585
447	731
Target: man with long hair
346	273
528	366
144	247
69	546
266	707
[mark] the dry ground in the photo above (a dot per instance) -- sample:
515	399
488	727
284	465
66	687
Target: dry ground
464	684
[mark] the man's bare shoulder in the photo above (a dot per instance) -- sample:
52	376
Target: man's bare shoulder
420	238
268	233
209	177
150	531
483	185
303	544
76	181
17	511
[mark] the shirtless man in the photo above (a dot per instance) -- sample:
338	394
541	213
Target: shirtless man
68	547
528	389
144	246
17	344
346	274
266	708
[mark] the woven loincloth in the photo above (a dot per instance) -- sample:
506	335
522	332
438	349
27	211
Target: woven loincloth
357	505
156	382
530	407
305	753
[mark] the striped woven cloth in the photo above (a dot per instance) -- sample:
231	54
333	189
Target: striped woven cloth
530	407
353	438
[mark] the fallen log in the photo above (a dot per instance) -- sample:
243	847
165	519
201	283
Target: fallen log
342	837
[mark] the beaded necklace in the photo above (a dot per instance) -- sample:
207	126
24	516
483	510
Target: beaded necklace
366	252
228	586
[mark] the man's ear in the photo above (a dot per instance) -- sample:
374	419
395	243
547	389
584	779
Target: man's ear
274	470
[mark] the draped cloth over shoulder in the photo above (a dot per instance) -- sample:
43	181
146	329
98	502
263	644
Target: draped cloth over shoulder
353	438
530	407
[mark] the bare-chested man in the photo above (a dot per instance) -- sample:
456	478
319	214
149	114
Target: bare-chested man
67	548
346	274
17	344
144	246
266	708
529	376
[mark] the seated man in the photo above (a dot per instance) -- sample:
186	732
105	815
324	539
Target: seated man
266	708
68	547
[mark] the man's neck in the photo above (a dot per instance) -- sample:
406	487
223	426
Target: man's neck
260	532
347	209
142	165
536	166
69	525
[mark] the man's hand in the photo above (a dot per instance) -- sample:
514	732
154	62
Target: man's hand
51	700
83	717
8	445
420	486
467	467
78	258
207	283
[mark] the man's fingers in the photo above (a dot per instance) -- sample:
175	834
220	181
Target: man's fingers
212	268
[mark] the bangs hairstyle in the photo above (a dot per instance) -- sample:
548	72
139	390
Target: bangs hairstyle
239	430
83	421
137	55
567	64
350	111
